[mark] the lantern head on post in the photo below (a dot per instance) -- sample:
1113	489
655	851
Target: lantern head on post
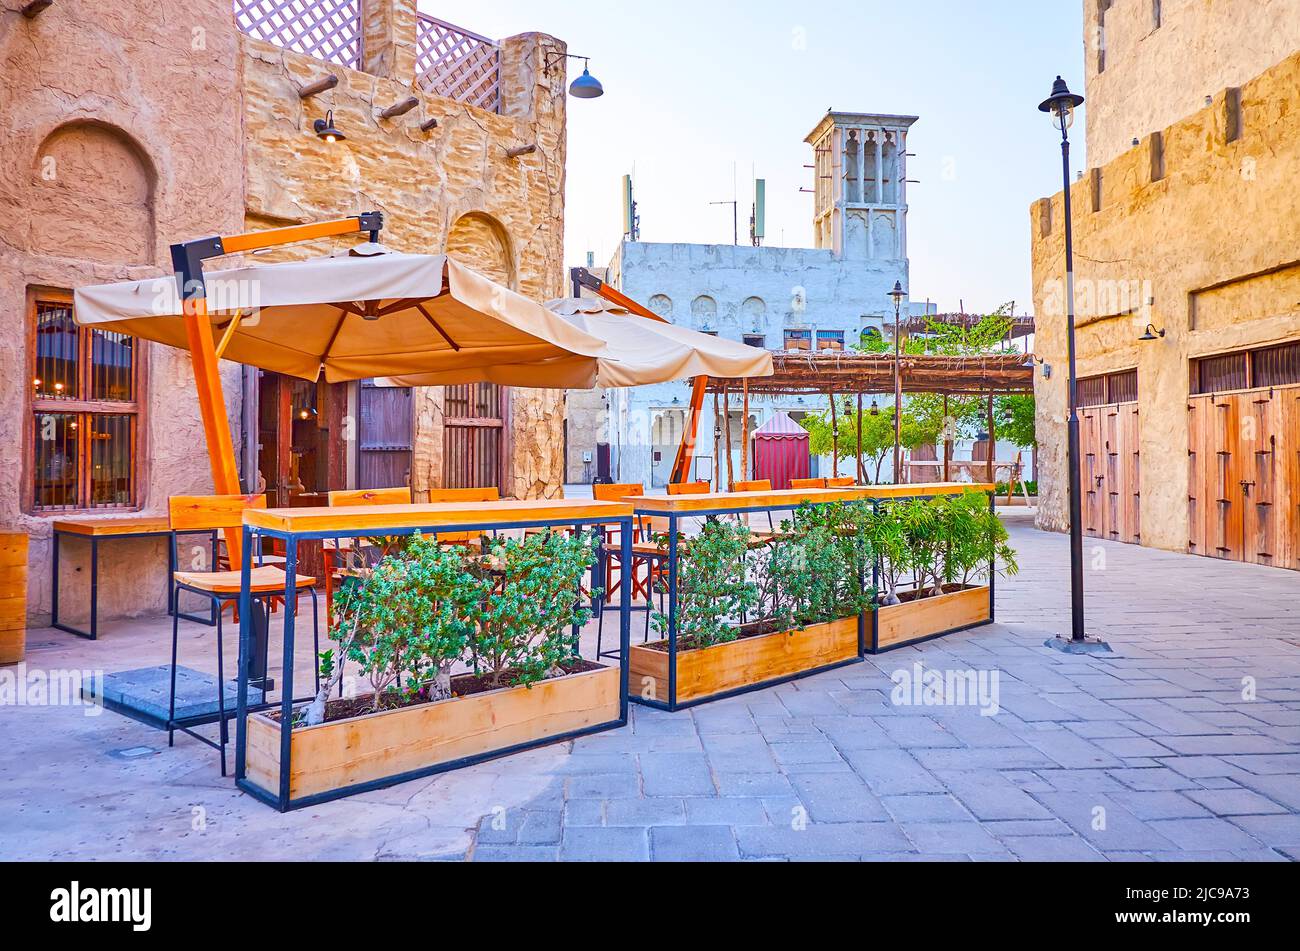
1061	105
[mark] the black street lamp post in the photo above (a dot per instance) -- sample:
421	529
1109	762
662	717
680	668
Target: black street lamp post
898	294
1061	105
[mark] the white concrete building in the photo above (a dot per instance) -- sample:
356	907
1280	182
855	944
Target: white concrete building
818	298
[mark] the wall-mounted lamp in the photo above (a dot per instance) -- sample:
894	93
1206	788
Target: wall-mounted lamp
585	86
36	7
1152	334
325	129
318	87
399	108
519	150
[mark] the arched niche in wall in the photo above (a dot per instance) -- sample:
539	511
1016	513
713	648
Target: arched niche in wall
481	242
889	168
93	195
662	305
753	314
704	311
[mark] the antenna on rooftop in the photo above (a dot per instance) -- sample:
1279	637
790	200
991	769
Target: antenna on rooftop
631	219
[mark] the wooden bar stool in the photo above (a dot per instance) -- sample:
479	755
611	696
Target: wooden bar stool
805	484
218	513
339	550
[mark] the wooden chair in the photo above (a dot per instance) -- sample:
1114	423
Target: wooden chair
805	484
338	549
846	482
758	485
218	513
690	488
447	496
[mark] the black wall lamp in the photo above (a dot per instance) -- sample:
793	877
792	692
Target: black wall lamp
325	129
1152	334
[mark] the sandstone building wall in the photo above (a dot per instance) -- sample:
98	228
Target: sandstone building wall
131	125
1207	252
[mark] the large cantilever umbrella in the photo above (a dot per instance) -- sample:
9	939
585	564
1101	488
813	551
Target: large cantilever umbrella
353	316
638	352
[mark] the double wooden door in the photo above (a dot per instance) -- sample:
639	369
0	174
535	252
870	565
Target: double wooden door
475	445
1244	478
1111	462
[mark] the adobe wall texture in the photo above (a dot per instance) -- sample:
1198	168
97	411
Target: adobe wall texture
129	126
452	189
1155	76
1212	244
118	139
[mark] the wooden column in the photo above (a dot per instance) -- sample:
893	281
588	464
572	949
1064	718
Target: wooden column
744	434
993	441
862	466
948	445
726	434
835	438
717	448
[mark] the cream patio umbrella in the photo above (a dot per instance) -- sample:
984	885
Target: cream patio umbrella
353	316
638	352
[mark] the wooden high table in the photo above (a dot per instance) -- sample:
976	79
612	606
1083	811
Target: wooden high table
292	526
96	530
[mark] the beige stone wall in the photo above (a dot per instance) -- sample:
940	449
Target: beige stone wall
117	140
1212	245
453	189
1156	76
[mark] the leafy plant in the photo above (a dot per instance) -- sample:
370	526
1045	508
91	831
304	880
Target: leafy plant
411	617
522	631
819	569
941	541
715	590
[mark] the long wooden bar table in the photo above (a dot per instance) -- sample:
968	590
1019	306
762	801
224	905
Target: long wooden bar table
95	531
292	526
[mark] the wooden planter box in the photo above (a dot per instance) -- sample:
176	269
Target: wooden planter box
13	598
901	624
749	662
336	757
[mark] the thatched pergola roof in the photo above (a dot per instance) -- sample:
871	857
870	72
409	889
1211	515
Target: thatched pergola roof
841	373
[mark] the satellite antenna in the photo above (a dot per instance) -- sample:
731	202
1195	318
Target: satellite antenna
758	221
631	220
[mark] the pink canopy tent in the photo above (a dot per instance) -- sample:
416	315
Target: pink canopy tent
781	452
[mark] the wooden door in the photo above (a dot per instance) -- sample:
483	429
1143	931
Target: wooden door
301	453
1110	460
474	440
1245	476
385	436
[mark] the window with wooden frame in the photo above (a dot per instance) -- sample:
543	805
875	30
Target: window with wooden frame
830	340
84	420
1109	388
755	340
1247	369
798	339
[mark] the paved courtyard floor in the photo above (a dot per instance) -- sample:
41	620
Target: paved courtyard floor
1184	745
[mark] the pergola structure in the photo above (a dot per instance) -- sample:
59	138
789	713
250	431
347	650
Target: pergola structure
839	373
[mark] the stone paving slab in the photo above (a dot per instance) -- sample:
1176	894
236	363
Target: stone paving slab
1158	753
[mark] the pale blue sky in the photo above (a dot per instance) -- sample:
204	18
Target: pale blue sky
694	89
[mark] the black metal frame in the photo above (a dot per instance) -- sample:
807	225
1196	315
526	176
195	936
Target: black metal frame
876	649
674	518
868	632
281	798
94	540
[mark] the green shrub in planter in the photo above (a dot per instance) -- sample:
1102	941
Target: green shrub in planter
522	627
819	568
714	588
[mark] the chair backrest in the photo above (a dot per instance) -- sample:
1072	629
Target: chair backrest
760	485
615	493
845	482
807	483
351	499
438	496
690	488
210	512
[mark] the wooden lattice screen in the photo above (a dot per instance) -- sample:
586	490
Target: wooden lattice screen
457	64
327	29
